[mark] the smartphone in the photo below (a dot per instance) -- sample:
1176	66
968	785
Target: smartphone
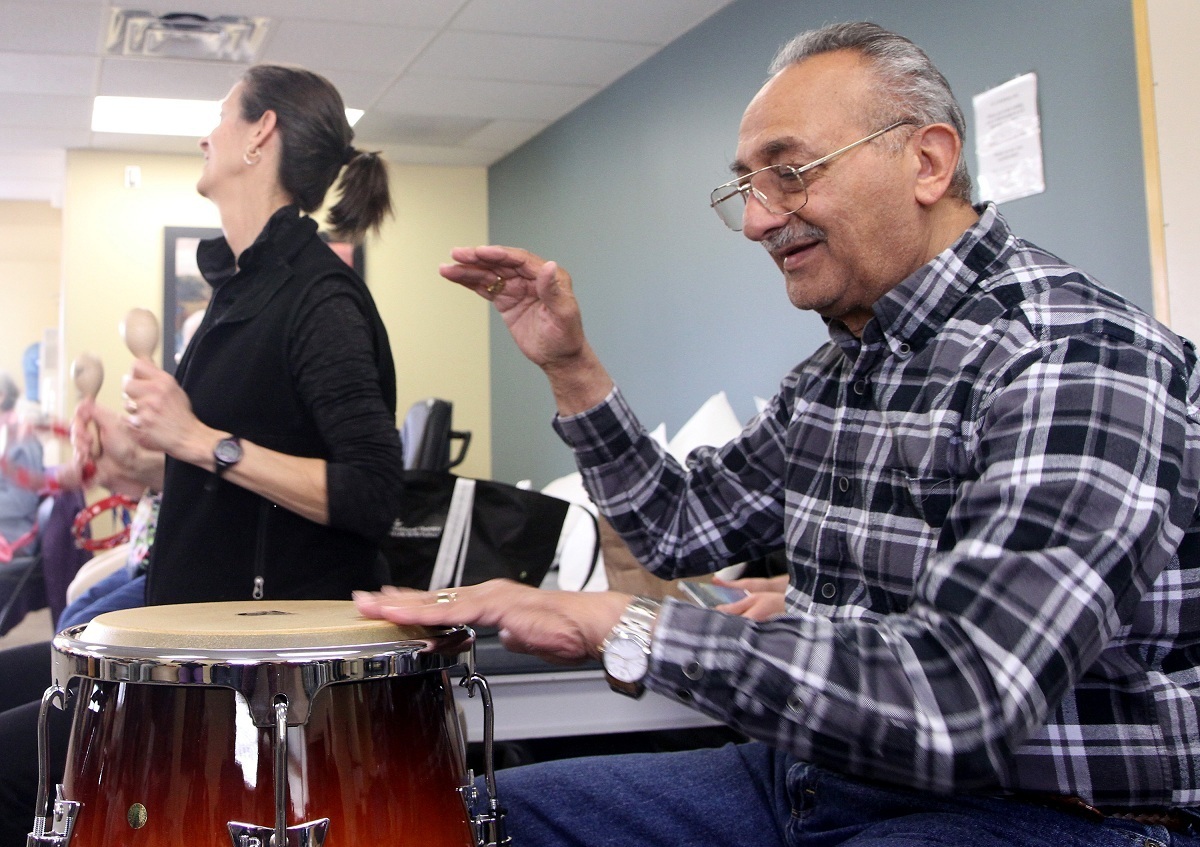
709	595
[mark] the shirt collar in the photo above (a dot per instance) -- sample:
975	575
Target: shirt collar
915	310
285	233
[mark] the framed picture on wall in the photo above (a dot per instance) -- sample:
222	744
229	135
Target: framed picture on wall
186	293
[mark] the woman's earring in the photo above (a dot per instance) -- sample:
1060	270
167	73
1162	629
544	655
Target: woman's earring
252	151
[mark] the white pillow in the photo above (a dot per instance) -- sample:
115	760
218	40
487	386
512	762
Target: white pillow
713	425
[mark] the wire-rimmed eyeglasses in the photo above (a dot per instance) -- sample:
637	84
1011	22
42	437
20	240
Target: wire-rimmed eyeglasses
780	188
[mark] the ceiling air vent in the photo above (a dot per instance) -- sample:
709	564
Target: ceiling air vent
183	35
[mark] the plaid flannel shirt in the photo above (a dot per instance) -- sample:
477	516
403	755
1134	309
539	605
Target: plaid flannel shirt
982	502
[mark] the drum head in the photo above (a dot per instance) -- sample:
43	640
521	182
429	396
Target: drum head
246	625
299	645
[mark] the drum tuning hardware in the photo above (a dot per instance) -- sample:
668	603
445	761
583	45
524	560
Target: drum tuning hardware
310	834
62	816
488	821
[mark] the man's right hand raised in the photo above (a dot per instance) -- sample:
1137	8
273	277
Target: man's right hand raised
536	300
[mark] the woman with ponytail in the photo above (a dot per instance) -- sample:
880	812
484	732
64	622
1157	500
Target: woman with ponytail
282	466
274	445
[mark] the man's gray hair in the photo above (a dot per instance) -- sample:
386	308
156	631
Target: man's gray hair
916	87
9	392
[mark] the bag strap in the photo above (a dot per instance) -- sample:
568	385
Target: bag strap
576	508
452	552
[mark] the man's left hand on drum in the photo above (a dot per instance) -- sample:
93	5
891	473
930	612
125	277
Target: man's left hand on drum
564	627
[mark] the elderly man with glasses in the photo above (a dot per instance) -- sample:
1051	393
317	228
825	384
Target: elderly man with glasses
985	483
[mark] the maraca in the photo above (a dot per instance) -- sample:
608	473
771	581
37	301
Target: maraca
139	329
87	372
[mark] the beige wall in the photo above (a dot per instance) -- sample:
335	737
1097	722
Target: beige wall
438	331
30	244
113	261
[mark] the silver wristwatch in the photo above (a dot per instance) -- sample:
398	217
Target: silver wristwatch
626	651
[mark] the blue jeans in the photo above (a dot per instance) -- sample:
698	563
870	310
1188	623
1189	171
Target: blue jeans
118	590
753	795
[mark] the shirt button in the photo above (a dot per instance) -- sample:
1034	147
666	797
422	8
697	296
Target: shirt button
683	695
904	349
794	703
843	484
828	590
860	387
693	671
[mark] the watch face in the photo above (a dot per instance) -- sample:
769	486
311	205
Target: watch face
625	659
228	451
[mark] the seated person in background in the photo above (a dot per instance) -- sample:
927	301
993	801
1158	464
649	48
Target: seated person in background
986	484
22	454
125	586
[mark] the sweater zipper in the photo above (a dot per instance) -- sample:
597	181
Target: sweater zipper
260	551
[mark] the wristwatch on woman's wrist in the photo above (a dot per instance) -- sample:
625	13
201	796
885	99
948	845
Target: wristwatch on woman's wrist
227	453
626	651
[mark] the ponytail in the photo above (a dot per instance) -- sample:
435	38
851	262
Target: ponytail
365	198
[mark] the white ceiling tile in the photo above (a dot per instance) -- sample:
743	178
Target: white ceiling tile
49	111
458	156
379	127
345	46
359	90
504	136
473	55
48	74
610	20
52	27
486	98
125	77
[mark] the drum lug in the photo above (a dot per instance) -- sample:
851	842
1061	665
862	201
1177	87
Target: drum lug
63	815
311	834
62	824
489	822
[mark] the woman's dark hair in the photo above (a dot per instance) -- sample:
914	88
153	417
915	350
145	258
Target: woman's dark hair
316	140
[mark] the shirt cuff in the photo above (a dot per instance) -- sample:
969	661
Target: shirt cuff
602	433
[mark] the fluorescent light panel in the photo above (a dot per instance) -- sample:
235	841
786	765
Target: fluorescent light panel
163	116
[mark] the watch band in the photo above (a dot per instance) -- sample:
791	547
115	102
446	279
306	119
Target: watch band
629	644
639	617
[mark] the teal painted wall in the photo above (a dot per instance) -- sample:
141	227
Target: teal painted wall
680	308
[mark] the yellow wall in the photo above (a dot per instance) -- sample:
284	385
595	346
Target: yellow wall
30	243
439	331
113	261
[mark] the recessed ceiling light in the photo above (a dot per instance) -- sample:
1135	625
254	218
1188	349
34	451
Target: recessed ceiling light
163	116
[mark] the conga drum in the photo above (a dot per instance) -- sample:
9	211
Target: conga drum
260	723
